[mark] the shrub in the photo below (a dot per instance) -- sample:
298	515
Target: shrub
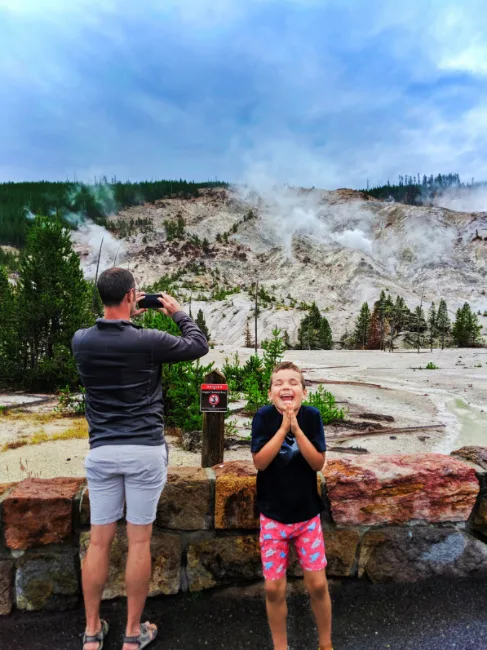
326	405
431	366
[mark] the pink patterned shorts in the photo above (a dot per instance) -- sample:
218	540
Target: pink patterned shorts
307	537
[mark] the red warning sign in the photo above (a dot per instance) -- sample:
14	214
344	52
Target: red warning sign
214	398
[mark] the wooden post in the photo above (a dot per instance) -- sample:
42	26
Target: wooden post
213	428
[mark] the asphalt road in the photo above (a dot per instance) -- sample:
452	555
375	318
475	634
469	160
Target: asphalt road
431	616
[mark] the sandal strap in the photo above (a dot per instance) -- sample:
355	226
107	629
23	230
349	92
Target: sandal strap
133	639
96	638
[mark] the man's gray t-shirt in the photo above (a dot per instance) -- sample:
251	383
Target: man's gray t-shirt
120	368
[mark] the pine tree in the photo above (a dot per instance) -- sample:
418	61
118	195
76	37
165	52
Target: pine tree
286	340
443	322
53	301
396	314
308	333
432	317
374	340
248	336
466	329
382	306
325	337
362	326
8	338
200	321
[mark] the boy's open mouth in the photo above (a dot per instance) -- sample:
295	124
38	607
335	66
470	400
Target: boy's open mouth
287	398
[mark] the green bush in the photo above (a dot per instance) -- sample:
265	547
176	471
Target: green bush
431	366
71	403
326	405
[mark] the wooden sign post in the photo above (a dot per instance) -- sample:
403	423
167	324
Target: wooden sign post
214	404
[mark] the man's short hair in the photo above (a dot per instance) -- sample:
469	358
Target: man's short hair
288	365
113	284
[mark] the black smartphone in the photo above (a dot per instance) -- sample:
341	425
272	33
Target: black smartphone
150	301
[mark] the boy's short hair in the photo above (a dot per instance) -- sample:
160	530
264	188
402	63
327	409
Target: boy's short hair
113	284
288	365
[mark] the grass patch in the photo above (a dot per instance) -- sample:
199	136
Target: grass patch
78	431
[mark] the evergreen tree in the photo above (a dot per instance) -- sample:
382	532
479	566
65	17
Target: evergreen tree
248	336
308	333
443	324
374	340
8	338
466	329
419	323
200	321
53	301
382	306
325	337
432	326
362	326
397	315
286	340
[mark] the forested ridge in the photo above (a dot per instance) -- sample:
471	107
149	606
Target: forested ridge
19	202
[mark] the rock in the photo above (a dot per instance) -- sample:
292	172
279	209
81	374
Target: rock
47	581
235	496
223	560
399	489
6	584
410	554
84	508
192	440
39	512
186	502
477	455
341	551
166	564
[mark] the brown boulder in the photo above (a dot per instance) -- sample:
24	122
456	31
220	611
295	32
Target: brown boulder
47	580
223	560
341	551
39	512
398	489
477	455
410	554
6	586
235	496
186	502
166	564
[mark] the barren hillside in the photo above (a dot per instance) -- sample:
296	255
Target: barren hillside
337	248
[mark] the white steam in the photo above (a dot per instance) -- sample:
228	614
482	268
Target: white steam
464	199
342	220
88	239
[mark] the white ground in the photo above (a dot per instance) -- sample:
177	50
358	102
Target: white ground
454	395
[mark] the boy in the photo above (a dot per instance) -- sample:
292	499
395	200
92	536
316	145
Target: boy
288	448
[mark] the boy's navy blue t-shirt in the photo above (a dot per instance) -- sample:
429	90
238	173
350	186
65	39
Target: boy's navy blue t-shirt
287	490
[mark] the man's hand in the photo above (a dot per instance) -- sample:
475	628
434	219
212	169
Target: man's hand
138	297
170	305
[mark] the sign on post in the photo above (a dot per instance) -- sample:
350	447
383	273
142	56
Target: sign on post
213	404
214	398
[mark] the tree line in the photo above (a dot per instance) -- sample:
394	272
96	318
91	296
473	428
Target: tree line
69	201
378	329
417	189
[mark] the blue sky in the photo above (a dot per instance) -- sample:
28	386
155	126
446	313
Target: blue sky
312	92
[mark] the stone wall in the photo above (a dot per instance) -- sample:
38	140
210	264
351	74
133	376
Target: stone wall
385	518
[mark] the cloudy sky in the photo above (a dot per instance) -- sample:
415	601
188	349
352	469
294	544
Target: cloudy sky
314	92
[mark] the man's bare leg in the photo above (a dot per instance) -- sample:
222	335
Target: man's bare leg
317	586
275	596
94	577
137	577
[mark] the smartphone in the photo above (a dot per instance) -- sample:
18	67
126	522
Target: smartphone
150	301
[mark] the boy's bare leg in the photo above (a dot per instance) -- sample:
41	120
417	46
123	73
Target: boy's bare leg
275	597
317	586
94	576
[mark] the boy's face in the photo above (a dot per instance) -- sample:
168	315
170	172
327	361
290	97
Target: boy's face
287	388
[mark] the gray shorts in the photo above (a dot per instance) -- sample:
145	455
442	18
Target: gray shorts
125	474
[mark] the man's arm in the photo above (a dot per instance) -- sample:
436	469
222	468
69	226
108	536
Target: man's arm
188	347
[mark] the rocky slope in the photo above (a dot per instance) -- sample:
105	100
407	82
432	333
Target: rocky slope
337	248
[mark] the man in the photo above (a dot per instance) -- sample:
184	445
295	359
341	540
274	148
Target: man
120	367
